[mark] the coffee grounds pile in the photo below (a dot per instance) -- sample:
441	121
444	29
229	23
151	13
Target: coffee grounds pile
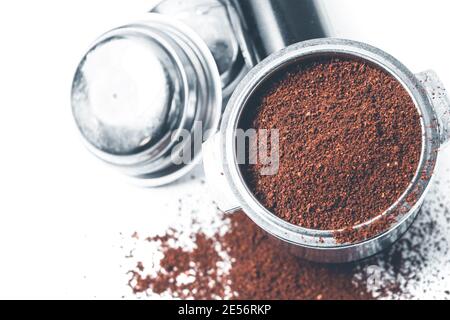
260	270
201	265
350	143
243	263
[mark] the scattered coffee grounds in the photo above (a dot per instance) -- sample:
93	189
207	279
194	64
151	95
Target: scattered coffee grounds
259	270
263	270
417	266
200	264
204	254
244	263
350	143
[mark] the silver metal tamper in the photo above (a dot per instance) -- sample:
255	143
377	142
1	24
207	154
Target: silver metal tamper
143	89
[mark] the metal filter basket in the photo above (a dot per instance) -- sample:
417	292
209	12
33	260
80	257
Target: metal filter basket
223	172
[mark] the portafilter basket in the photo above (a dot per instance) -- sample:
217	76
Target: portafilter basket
225	177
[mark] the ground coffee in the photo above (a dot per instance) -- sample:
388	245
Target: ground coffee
206	254
259	270
263	270
245	263
350	143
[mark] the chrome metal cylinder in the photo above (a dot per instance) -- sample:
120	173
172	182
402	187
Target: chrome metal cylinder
147	91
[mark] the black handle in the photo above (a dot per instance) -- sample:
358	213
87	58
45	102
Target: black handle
270	25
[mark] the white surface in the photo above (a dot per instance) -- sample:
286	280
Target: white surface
61	210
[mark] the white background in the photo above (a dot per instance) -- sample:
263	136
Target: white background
62	212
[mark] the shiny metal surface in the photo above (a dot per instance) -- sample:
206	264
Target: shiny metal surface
142	86
441	103
317	245
211	20
139	89
267	26
124	90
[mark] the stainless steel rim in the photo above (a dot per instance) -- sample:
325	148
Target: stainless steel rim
317	239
